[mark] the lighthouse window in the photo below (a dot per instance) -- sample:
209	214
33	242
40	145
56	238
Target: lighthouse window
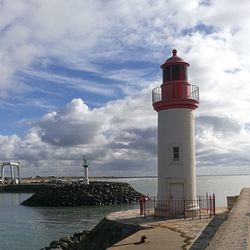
166	73
176	72
184	75
176	153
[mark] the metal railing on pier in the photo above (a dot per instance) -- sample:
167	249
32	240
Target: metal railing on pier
203	206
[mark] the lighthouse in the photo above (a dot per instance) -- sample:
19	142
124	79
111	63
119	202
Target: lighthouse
175	101
86	174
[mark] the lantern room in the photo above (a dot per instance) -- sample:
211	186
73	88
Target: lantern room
175	91
175	69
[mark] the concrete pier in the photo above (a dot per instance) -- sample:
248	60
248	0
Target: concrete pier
124	229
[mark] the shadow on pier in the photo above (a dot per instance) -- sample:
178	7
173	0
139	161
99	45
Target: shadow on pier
203	240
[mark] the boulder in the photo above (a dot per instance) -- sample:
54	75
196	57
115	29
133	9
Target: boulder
67	242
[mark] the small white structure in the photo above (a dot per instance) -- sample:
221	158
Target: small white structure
175	101
12	166
86	174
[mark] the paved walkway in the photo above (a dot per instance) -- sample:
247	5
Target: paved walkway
163	234
158	238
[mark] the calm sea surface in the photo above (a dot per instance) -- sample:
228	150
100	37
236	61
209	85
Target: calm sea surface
31	228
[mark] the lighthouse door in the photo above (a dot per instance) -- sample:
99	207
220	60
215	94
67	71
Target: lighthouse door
177	191
176	205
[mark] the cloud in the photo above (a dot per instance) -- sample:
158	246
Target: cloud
219	125
73	125
221	141
120	131
90	66
8	146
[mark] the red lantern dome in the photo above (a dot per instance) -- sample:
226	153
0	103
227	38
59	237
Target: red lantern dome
174	59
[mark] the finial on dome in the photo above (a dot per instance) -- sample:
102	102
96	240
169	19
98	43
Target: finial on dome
174	52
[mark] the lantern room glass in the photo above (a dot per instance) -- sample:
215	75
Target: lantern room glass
175	72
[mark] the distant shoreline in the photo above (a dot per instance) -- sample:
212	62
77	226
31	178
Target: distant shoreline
91	178
118	177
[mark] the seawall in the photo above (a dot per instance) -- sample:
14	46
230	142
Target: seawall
106	233
234	233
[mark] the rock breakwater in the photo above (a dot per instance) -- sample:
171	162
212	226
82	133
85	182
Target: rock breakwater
67	242
94	194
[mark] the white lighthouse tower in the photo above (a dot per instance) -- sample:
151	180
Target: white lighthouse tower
86	173
175	101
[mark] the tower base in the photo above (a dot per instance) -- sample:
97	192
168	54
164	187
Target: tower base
176	209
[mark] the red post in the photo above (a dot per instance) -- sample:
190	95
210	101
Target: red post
210	205
154	207
142	202
141	205
184	208
207	202
214	203
199	207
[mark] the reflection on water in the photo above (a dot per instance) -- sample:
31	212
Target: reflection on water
34	227
13	199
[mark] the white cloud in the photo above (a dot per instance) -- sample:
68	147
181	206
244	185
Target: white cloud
120	135
122	130
74	125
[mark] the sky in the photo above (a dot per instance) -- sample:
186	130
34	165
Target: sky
76	79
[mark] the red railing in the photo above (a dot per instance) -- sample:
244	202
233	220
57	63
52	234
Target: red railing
193	93
203	206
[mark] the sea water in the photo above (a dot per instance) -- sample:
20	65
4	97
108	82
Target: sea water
31	228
